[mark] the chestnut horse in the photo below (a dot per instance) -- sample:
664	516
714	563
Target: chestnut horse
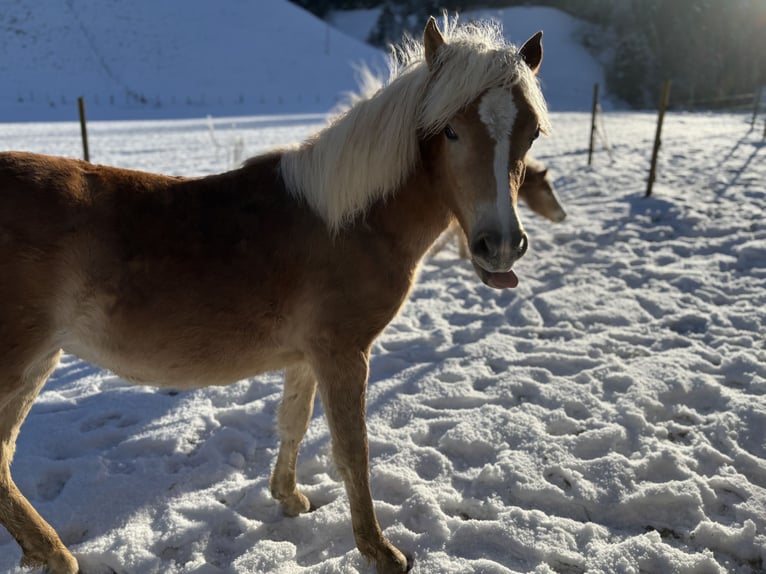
295	261
538	192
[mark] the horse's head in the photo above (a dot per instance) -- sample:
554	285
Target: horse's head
538	193
479	154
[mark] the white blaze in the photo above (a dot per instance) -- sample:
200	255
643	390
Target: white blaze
498	113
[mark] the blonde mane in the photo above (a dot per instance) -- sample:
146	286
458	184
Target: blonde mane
368	151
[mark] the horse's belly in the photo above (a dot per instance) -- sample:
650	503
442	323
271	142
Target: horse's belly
175	358
182	372
182	336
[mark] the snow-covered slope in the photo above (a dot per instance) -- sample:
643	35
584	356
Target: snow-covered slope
169	59
192	58
568	72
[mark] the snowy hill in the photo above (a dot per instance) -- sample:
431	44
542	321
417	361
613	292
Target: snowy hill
568	72
175	58
194	58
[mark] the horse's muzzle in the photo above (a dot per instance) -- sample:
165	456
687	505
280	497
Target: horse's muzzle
495	253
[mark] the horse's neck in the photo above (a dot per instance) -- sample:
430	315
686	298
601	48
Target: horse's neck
413	217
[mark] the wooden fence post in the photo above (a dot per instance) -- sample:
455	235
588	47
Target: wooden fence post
83	129
593	122
756	106
663	106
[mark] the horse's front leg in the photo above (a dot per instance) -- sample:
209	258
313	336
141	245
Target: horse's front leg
294	416
342	387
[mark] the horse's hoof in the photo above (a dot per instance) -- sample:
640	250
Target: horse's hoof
393	561
295	504
95	565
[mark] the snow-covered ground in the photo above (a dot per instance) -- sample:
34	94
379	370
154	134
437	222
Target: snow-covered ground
608	415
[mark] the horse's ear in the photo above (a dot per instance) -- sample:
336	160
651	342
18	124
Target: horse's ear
432	41
544	173
532	51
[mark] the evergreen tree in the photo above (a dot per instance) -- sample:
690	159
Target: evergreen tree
387	29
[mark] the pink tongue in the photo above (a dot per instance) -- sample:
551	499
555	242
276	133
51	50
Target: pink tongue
507	280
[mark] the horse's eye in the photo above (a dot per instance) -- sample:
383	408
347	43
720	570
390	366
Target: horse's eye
450	133
536	134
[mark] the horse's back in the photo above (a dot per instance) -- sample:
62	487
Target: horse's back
36	194
51	207
47	202
45	199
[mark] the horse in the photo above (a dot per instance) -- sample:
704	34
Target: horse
295	261
536	191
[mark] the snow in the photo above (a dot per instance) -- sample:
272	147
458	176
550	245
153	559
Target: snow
356	23
608	415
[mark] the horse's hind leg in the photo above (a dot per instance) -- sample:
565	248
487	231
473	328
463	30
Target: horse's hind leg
294	416
41	545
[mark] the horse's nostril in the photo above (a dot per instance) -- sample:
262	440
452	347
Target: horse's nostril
485	246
